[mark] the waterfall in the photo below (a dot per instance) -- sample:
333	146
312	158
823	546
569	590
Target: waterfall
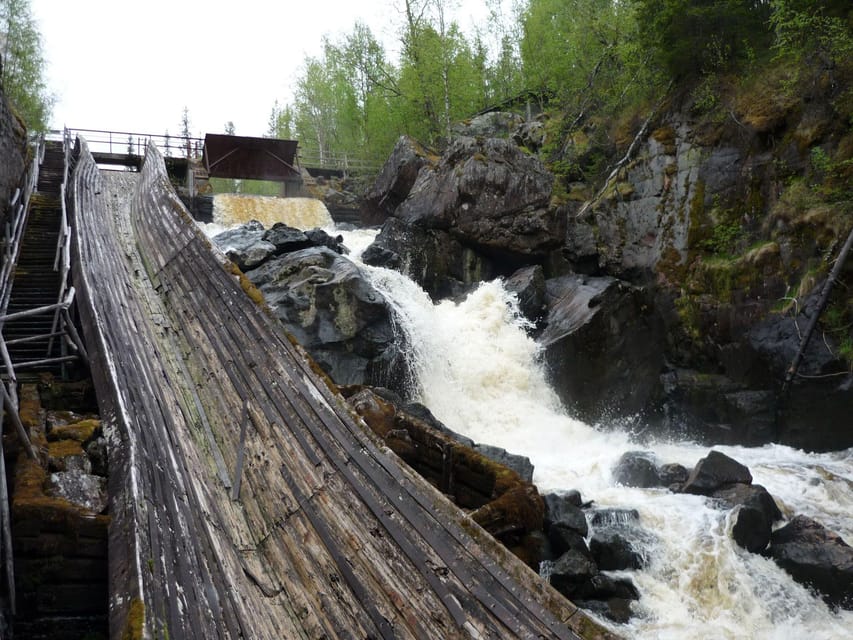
303	213
481	374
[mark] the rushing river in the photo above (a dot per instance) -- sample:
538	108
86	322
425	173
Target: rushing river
480	373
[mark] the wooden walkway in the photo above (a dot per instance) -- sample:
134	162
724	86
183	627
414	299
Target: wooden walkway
332	536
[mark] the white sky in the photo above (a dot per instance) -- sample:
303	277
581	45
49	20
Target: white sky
132	65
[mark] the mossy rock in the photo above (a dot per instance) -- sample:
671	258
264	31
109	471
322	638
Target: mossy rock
81	431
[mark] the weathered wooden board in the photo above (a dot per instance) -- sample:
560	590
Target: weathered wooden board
332	535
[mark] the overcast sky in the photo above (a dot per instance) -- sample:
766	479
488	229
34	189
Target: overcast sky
132	65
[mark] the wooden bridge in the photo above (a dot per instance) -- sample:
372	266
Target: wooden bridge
247	499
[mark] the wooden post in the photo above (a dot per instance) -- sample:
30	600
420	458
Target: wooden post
19	426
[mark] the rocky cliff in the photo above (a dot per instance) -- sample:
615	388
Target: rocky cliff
13	139
715	237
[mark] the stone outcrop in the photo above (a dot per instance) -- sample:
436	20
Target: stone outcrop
601	346
716	471
482	210
322	299
395	181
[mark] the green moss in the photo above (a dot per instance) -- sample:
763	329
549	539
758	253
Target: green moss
81	431
134	623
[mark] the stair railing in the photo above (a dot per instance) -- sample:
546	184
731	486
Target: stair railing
62	322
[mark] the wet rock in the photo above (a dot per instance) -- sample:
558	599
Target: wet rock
562	510
616	609
528	284
394	182
378	256
438	262
817	558
286	239
336	314
603	587
602	346
319	238
715	471
673	475
571	572
85	490
757	511
637	469
613	551
245	245
563	538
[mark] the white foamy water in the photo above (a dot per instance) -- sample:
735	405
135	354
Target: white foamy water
480	374
302	213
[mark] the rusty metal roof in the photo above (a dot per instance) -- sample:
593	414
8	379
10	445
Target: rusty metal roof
248	158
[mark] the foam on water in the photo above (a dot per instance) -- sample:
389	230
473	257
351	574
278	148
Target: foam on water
480	373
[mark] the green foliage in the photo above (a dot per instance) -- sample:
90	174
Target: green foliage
22	65
689	38
723	239
805	27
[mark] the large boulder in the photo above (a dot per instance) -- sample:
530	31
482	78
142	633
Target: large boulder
817	558
602	346
246	245
637	469
394	182
715	471
329	306
488	194
756	513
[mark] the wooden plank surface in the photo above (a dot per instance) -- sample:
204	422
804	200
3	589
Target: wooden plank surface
332	535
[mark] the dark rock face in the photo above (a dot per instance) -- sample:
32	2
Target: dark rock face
613	551
528	284
489	194
714	409
562	510
443	266
715	471
572	572
601	346
520	464
343	322
757	511
637	469
482	211
673	474
13	150
396	179
816	558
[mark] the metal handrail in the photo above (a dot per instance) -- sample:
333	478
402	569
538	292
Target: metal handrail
134	143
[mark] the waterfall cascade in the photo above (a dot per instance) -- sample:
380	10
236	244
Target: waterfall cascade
480	373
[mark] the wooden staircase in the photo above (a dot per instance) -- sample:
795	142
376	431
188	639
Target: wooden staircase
31	339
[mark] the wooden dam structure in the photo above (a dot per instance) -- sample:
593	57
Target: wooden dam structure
247	499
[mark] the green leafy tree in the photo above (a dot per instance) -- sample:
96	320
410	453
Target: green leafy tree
280	124
692	37
807	27
22	65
